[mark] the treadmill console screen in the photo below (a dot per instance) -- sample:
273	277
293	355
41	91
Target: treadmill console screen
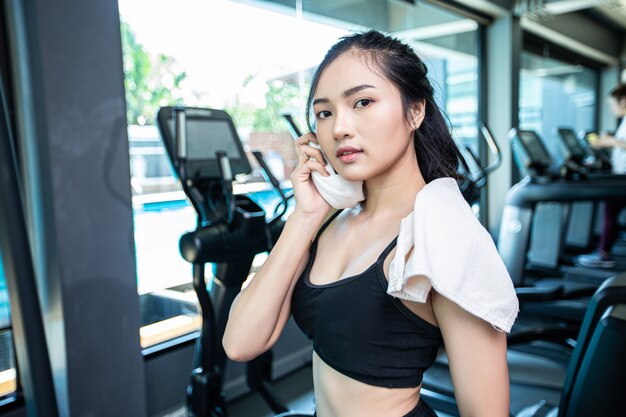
207	131
535	148
571	141
205	137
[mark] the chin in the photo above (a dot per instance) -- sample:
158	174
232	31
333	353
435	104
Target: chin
352	176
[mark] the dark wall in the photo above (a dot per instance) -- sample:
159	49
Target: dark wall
83	94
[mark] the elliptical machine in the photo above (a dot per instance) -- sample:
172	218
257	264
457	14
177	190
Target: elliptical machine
207	154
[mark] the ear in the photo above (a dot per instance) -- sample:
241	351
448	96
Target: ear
418	112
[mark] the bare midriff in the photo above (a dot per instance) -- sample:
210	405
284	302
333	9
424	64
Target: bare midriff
337	395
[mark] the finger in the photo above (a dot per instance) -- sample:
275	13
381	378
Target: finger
305	139
307	152
315	166
300	143
305	170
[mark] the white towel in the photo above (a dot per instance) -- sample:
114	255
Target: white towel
454	254
336	190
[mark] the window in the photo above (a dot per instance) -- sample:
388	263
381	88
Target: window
255	59
7	354
556	93
206	58
447	43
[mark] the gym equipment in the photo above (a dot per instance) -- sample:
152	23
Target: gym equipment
596	374
582	215
578	151
207	154
589	137
481	179
546	183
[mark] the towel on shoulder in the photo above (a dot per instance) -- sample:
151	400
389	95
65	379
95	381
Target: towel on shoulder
442	245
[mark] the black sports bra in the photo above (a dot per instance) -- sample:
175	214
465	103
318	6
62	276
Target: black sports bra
360	330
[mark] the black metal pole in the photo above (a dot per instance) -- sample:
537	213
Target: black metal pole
35	372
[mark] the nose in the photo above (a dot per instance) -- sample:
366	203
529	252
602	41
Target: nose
343	127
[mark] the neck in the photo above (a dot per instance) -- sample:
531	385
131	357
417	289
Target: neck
392	193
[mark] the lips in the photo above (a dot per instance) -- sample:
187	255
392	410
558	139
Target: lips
348	154
346	150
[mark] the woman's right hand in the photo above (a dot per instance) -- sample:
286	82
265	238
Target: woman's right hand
308	199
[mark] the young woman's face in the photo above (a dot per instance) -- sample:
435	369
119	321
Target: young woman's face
361	125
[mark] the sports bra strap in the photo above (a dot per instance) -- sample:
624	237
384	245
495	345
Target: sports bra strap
325	225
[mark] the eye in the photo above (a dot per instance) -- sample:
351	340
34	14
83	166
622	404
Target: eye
323	114
364	102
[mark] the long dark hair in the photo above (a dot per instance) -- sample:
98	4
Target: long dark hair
437	154
618	92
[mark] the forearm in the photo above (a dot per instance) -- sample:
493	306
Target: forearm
609	141
620	144
255	312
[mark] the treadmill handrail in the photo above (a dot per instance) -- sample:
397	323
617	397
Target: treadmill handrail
527	193
525	294
493	146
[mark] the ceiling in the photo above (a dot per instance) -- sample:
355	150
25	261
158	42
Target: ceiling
612	11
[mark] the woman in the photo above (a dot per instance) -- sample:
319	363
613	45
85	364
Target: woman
602	258
377	122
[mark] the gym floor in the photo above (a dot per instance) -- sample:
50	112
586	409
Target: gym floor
295	389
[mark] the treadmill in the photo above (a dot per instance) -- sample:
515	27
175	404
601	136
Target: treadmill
580	153
602	154
590	383
545	183
582	216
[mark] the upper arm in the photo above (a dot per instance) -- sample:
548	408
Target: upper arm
477	357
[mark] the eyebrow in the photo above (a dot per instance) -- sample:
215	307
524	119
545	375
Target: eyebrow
346	93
